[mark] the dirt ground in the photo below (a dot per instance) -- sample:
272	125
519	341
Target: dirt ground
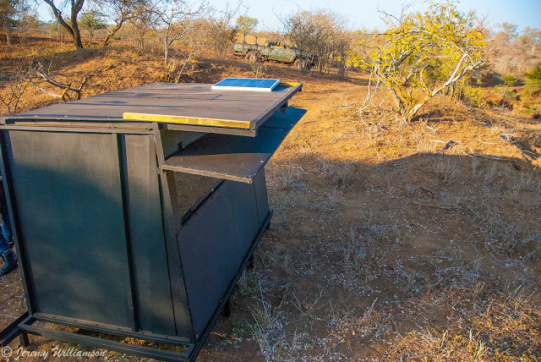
388	241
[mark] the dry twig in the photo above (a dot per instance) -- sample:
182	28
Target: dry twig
38	70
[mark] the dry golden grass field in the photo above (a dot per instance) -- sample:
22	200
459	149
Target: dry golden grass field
383	245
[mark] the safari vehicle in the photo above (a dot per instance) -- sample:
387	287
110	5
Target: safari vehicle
260	49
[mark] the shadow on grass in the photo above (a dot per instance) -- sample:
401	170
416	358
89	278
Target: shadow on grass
353	246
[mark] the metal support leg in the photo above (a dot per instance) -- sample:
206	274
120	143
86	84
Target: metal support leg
251	264
12	331
226	312
23	340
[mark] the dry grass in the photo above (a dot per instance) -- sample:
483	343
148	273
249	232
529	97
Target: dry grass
504	327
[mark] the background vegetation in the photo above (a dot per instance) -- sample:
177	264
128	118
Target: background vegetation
418	56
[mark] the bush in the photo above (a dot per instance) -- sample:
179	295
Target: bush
473	96
533	111
509	80
533	81
507	93
423	54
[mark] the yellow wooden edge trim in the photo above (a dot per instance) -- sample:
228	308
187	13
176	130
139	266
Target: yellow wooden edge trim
196	121
287	84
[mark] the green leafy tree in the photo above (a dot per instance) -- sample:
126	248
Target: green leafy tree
92	20
8	10
422	54
246	24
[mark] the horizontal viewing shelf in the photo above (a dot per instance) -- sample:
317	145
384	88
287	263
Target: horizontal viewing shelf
235	158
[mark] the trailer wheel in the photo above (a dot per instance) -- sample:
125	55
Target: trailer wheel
299	64
252	57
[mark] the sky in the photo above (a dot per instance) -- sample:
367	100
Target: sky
364	14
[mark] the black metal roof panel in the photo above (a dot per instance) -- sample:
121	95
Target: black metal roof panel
172	103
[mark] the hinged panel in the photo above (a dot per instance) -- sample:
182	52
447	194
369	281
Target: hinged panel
235	158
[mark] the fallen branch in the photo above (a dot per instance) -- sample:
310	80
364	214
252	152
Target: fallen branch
486	156
436	141
44	90
16	87
66	87
8	316
442	207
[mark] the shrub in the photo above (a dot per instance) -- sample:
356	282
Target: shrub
507	93
473	96
424	53
533	111
533	81
509	80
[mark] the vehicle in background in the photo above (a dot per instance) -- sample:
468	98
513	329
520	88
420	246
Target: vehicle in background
255	49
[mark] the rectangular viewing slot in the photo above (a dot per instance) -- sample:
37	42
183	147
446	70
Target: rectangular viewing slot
235	158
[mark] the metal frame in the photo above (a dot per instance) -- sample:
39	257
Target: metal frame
24	326
181	327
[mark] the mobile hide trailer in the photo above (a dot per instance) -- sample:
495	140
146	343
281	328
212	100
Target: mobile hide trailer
135	212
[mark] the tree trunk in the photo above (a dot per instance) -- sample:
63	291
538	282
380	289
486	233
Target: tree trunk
112	33
76	34
166	56
76	6
8	34
77	39
341	70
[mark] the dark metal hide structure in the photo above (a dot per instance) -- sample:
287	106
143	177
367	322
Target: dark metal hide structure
135	212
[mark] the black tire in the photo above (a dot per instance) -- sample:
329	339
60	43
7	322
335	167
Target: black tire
252	57
300	64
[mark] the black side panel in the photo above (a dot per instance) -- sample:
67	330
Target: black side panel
260	187
149	259
213	243
68	196
243	206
